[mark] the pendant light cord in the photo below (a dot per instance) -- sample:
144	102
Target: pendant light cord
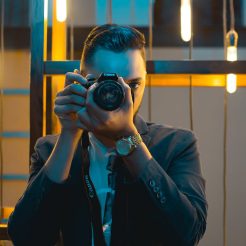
150	58
109	12
224	27
1	111
232	15
190	77
225	169
71	36
225	130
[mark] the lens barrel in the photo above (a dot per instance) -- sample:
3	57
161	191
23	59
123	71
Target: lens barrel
109	94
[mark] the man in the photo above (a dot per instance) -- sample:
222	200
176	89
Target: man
110	178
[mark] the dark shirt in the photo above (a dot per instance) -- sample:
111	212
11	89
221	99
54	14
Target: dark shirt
164	205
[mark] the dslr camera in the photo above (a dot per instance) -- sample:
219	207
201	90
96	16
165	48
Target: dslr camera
109	93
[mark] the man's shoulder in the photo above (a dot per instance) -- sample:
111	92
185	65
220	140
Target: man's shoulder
155	130
44	145
168	143
48	140
168	131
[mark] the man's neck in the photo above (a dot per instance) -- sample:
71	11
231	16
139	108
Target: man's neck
104	140
108	142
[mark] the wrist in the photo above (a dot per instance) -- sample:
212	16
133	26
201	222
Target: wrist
129	131
71	133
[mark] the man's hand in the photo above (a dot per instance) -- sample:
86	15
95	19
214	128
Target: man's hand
111	124
70	100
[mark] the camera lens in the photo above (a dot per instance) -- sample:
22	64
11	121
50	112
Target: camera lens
109	95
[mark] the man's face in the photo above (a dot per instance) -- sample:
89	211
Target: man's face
128	64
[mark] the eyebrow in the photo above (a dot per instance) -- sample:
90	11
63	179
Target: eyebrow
135	79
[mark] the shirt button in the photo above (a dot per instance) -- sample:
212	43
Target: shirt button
156	189
91	194
159	195
163	200
152	183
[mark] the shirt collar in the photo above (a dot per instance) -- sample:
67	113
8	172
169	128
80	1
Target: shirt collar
98	147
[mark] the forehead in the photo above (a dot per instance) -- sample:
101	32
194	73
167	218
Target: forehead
127	64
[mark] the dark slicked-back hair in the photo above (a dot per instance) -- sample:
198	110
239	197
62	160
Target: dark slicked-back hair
112	37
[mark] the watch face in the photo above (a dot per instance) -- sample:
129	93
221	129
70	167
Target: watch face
123	147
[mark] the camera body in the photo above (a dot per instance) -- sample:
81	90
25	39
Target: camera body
109	93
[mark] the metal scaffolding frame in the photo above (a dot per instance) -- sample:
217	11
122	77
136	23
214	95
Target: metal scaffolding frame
40	68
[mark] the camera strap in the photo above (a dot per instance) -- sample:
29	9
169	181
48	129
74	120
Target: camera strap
92	198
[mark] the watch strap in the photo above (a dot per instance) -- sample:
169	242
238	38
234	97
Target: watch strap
135	139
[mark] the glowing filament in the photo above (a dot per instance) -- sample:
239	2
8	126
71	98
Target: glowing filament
45	9
61	10
185	20
231	53
231	82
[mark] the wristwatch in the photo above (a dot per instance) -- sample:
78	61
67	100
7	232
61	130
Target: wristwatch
126	145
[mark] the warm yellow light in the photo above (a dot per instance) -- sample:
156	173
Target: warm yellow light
185	13
61	10
45	9
231	82
231	53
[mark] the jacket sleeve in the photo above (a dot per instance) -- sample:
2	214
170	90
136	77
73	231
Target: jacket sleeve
178	191
36	217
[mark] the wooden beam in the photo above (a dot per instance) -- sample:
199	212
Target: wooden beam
196	67
36	86
162	67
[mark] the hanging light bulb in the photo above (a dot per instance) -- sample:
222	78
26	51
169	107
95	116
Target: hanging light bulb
231	44
45	9
185	12
231	82
61	10
231	55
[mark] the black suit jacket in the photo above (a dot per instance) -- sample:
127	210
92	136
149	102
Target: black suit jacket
164	205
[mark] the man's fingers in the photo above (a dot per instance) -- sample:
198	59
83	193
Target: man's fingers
71	99
72	77
127	90
84	118
90	77
82	126
90	103
66	109
73	88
